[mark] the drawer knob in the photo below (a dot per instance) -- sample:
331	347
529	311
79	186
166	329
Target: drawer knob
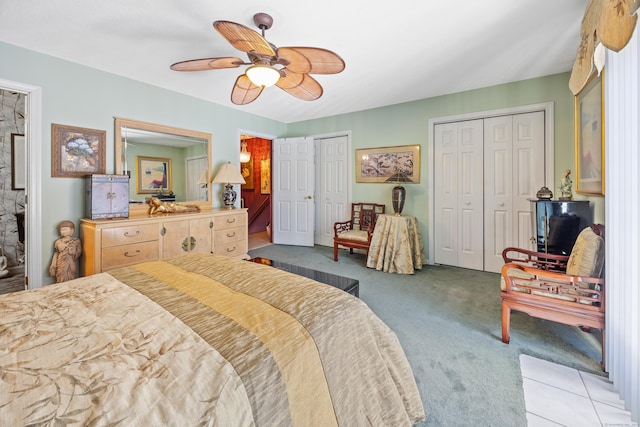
231	234
127	234
231	249
231	220
210	224
137	252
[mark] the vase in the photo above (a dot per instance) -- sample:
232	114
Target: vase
397	199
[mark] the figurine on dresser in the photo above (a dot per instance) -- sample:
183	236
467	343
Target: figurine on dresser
67	250
158	206
565	186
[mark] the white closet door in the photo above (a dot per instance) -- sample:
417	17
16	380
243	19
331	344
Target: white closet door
459	194
514	171
332	186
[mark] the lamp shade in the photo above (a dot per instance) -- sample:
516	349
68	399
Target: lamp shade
263	75
229	174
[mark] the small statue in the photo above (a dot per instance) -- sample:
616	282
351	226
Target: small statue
67	250
158	206
565	186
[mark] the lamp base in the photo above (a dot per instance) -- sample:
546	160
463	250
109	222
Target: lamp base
229	197
397	199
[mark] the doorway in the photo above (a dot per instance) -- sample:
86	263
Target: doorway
255	194
31	125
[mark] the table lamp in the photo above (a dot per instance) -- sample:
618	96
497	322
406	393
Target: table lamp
398	192
229	175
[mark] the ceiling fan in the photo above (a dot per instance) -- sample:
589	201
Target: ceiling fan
286	67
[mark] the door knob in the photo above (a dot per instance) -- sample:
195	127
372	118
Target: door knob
309	197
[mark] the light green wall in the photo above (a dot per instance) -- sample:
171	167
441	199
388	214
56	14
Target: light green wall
80	96
408	123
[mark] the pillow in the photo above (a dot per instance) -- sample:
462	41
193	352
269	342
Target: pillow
587	255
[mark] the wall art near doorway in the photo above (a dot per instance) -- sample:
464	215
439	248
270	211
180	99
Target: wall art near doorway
18	161
76	152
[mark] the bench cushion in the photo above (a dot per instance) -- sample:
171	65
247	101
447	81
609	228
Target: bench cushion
359	235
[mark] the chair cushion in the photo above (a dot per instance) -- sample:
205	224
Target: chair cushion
359	235
587	255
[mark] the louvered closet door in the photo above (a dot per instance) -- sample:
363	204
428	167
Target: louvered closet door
458	195
514	171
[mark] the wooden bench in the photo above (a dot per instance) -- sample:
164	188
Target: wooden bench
535	283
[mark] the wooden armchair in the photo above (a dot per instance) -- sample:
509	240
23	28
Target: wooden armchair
566	289
356	232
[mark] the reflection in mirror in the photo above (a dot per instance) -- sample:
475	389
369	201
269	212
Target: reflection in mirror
163	161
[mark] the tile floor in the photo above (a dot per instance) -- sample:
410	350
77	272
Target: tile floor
556	395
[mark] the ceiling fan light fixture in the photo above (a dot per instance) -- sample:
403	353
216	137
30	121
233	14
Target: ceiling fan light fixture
263	75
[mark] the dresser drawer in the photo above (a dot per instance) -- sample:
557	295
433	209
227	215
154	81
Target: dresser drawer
129	234
224	222
120	256
222	237
234	249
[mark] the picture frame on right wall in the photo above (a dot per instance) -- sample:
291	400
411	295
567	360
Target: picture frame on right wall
589	137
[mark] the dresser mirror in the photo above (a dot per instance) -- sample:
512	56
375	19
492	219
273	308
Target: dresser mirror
162	161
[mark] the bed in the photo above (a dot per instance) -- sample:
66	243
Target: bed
200	340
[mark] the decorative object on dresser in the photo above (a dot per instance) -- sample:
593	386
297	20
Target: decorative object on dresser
107	196
356	232
76	152
544	193
228	175
565	186
113	243
158	206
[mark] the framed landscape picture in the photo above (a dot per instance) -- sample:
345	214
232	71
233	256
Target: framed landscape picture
77	152
378	164
589	138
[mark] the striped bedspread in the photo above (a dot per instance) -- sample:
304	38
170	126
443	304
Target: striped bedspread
200	340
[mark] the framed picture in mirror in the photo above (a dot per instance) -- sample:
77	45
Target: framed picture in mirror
153	175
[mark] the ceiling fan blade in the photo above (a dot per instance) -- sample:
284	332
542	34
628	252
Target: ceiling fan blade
301	86
311	60
244	91
243	38
207	64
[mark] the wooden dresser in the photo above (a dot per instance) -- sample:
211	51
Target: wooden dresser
113	243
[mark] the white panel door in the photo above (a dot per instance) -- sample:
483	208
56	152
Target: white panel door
293	200
471	193
458	195
195	167
332	186
514	171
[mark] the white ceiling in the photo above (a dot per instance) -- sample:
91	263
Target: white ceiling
395	51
